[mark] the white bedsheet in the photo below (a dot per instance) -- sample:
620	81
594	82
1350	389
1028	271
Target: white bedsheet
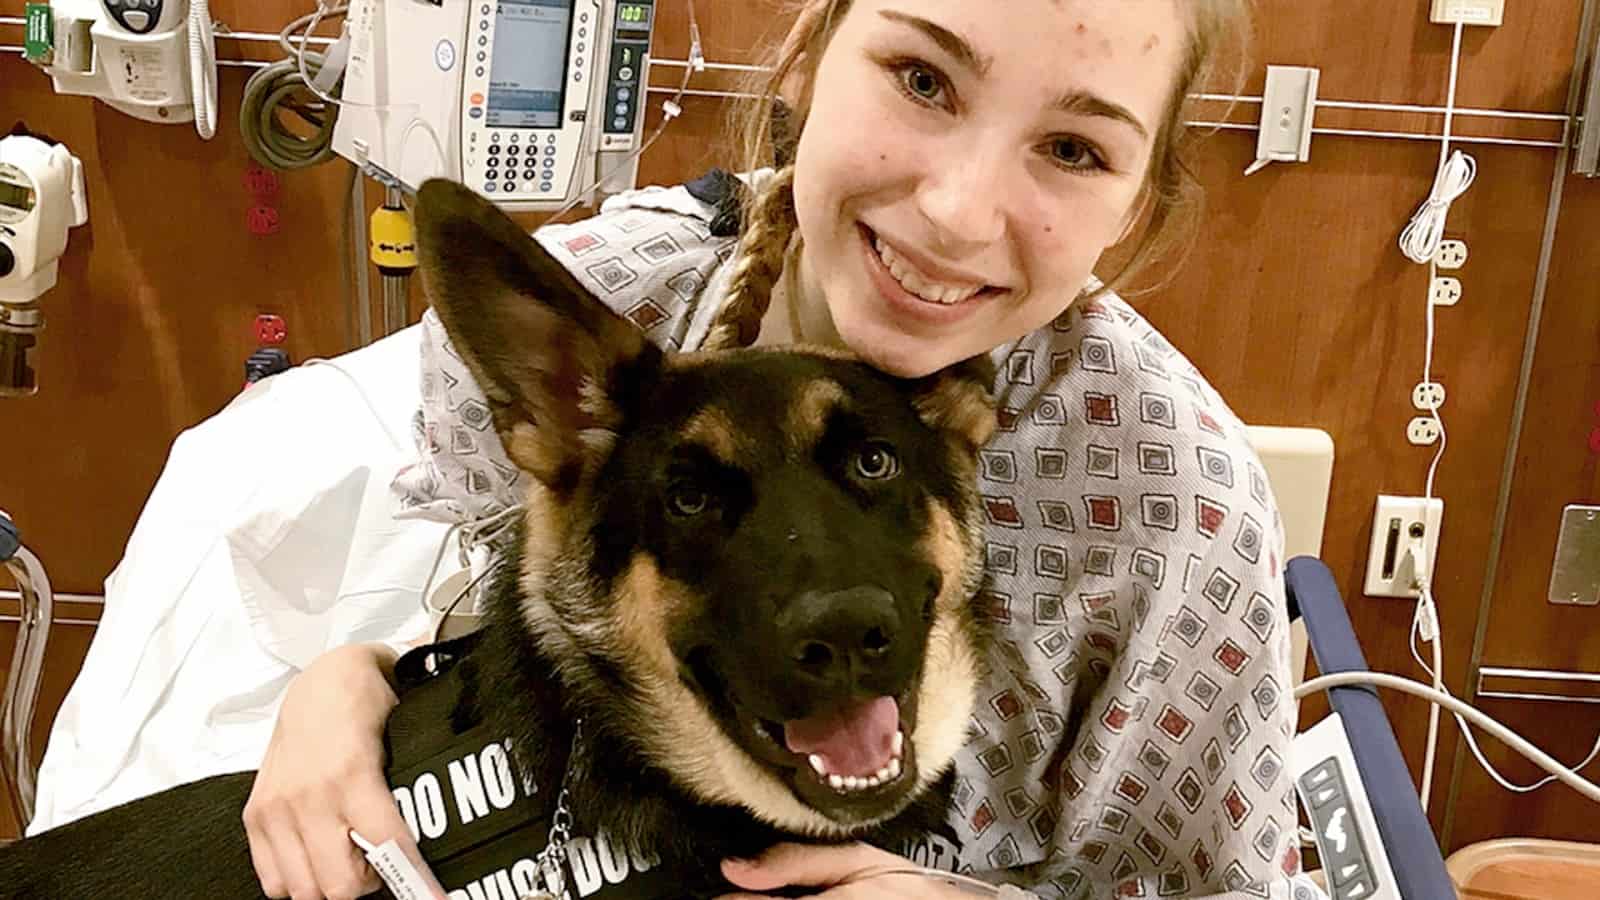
269	538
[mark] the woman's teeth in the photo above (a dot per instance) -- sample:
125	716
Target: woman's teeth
914	283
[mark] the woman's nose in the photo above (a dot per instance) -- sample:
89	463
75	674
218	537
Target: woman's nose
966	198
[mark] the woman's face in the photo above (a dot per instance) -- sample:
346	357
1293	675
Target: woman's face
965	163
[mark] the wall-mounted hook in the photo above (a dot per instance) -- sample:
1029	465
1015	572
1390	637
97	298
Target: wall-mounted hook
1288	108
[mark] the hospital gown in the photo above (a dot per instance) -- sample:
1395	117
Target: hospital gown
1132	737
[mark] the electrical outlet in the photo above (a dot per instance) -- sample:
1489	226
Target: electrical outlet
1422	431
1451	255
1400	526
1428	396
1445	291
1468	12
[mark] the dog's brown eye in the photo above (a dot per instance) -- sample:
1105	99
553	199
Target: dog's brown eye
877	461
688	500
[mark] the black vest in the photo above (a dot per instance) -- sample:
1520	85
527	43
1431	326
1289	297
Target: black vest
478	826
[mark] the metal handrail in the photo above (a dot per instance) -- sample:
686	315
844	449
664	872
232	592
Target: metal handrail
22	682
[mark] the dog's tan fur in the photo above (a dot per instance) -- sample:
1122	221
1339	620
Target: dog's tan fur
713	429
808	413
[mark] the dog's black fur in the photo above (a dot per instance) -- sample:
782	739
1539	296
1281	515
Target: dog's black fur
571	615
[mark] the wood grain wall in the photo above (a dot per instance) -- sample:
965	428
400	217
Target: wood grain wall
1295	302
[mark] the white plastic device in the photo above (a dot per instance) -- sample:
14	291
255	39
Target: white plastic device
1405	538
1288	111
1335	800
527	102
41	197
1467	12
152	59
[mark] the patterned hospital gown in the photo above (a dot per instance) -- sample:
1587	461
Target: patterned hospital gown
1132	738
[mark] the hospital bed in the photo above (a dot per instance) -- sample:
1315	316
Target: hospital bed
1298	460
1411	852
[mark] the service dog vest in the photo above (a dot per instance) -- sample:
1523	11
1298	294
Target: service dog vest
479	827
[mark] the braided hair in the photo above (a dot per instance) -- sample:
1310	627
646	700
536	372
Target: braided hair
769	129
770	227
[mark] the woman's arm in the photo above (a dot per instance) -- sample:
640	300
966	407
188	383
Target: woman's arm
322	777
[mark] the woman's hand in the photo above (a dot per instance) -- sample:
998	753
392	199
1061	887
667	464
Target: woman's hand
845	872
323	777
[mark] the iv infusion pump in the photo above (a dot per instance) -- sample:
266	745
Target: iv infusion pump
528	102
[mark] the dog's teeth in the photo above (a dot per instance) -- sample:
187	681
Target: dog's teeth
883	775
818	764
894	769
836	782
899	745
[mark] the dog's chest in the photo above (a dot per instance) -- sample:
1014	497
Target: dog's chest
479	825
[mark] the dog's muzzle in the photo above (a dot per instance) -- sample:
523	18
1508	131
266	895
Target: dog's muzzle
831	702
846	644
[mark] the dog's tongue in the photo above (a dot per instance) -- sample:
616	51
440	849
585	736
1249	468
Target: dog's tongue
858	740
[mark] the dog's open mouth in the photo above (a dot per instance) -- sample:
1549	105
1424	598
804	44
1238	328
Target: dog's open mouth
854	764
854	749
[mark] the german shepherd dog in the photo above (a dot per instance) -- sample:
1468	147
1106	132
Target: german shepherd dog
749	574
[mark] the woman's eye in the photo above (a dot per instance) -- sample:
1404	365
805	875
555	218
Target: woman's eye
922	82
1075	154
688	501
876	462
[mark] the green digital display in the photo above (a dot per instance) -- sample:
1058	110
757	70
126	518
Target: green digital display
633	13
16	196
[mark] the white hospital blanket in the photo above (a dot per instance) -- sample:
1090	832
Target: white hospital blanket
238	574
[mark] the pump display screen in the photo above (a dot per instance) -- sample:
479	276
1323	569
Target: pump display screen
528	78
633	15
16	196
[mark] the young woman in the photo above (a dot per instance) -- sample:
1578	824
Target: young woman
953	173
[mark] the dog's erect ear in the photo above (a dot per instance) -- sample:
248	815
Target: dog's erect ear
555	363
960	400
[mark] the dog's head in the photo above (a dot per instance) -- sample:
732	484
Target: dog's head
756	566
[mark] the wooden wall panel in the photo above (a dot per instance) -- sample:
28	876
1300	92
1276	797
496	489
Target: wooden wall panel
730	30
150	324
1555	466
1296	303
1381	51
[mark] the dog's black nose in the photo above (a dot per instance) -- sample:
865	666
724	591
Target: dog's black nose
835	636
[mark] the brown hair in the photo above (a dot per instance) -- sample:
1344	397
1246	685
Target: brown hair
1217	36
